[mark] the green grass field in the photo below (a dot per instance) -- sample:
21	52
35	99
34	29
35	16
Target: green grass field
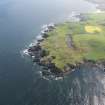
89	43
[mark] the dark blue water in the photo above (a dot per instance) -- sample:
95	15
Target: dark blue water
20	83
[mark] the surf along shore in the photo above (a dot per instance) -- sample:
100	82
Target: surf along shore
64	47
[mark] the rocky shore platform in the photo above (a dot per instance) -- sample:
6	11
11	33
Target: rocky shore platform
39	56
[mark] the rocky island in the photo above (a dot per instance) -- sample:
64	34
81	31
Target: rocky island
63	47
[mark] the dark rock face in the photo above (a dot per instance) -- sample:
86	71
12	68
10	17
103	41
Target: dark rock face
40	40
44	72
38	54
34	48
45	35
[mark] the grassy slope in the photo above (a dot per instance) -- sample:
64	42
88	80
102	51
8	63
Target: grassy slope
88	45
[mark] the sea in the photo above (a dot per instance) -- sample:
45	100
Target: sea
21	82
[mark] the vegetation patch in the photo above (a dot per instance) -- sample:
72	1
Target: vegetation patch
92	29
88	41
70	44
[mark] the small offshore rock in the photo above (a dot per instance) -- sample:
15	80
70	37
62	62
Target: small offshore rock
46	73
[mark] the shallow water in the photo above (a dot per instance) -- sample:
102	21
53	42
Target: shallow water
83	87
20	80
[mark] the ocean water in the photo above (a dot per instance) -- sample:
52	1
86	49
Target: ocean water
20	80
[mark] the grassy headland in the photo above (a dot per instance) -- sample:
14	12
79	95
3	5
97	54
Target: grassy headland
72	42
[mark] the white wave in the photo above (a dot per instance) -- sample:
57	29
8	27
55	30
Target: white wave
51	25
33	43
42	32
39	73
39	37
73	14
58	78
48	25
45	78
99	11
25	52
44	26
46	29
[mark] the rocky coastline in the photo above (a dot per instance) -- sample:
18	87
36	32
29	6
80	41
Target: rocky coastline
38	55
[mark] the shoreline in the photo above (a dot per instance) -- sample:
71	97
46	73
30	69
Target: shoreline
37	54
35	50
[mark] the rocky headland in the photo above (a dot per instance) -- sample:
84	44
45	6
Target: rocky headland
63	48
